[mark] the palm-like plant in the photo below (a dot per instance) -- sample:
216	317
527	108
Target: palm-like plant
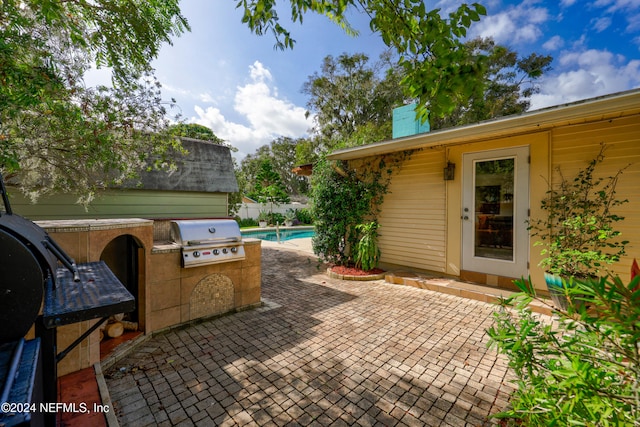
367	253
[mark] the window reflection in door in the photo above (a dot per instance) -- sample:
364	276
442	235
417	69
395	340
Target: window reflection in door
493	195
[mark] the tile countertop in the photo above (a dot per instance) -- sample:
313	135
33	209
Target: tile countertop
71	225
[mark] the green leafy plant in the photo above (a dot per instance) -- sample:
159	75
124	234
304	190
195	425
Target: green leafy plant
580	368
304	216
290	215
345	195
578	234
276	218
367	253
268	186
263	216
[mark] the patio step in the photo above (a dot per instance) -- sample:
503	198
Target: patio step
450	286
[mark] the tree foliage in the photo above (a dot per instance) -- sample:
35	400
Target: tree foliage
281	154
508	83
437	70
58	134
349	93
268	185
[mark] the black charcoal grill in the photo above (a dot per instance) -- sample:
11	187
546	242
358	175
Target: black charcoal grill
41	285
208	241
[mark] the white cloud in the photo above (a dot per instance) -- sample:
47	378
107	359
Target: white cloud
602	24
207	98
587	74
627	8
554	43
518	24
267	116
615	5
633	22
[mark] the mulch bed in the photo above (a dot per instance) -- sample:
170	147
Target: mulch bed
353	271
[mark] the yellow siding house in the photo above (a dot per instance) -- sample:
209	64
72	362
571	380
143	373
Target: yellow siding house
473	226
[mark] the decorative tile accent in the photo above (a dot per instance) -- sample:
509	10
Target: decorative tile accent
214	294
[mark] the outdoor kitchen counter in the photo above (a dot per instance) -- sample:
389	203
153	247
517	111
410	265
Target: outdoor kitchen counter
180	295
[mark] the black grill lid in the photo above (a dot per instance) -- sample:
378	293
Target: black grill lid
21	287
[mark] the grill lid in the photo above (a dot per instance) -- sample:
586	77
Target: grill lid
205	231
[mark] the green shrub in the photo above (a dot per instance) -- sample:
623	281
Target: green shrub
340	202
345	195
304	216
247	222
578	232
582	368
275	218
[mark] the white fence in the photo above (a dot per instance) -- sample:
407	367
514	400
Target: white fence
252	210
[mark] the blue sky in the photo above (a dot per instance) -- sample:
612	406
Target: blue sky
226	78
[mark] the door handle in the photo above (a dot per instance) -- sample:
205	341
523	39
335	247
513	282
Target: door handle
466	218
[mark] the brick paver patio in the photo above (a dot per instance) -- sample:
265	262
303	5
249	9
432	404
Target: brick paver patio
320	352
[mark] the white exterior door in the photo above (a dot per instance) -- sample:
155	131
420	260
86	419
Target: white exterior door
495	206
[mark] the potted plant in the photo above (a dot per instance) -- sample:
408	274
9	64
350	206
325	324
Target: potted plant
289	217
367	253
263	217
578	233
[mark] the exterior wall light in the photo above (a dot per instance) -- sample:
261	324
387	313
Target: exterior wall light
450	171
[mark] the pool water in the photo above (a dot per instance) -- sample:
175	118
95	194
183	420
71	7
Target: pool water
286	234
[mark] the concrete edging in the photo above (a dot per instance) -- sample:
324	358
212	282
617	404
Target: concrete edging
369	277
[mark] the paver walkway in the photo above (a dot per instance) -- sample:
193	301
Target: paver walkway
320	352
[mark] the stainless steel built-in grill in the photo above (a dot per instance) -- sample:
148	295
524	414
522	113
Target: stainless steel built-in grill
207	241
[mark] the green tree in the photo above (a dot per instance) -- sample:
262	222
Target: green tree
281	154
509	82
348	93
437	70
268	187
58	134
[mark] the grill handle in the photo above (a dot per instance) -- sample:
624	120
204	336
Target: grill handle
212	241
63	257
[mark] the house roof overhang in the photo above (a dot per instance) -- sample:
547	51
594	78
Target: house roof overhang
586	111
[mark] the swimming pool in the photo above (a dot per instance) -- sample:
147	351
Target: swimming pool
285	234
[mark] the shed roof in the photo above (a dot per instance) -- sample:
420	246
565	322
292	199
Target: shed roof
207	167
589	110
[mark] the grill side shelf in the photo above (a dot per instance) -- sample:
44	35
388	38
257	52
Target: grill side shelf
98	294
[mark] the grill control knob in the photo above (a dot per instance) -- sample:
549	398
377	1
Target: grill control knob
234	250
216	252
196	254
224	250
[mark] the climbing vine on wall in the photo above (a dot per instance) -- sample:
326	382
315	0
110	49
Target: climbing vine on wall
346	194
